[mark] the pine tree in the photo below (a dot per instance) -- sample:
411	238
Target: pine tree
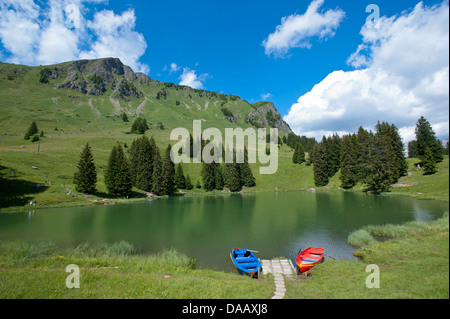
117	177
86	175
429	164
32	130
168	173
141	163
364	145
232	175
321	164
220	183
349	167
180	180
247	178
426	137
299	154
139	126
209	176
381	167
189	185
157	187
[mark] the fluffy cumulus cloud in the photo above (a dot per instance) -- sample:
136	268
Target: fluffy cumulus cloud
58	31
190	78
401	73
297	30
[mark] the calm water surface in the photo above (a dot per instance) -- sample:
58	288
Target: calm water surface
207	227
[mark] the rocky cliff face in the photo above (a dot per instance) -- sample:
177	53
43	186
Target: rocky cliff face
265	114
93	76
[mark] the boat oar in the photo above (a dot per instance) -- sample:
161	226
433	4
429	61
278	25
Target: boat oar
253	251
329	256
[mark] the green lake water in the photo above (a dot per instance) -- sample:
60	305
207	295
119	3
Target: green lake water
207	227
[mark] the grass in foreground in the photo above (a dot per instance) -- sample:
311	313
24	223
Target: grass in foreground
36	270
413	264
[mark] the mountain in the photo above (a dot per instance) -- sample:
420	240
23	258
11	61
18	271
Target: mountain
91	90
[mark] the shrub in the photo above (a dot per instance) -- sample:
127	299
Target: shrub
360	238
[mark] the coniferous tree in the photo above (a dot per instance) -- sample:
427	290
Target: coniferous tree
220	183
412	149
157	187
189	185
381	167
168	173
141	163
32	130
299	154
429	164
334	154
364	144
209	176
180	180
117	177
247	178
349	163
426	137
139	126
86	175
321	164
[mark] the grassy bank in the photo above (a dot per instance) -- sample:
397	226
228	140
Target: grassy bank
413	263
37	270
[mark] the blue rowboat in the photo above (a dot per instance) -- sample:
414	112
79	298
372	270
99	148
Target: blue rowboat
245	262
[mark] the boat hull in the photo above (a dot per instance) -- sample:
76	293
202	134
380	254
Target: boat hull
308	258
245	262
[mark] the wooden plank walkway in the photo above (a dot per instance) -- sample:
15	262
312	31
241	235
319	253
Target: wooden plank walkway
279	268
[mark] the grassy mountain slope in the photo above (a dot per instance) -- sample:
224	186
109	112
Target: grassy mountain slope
83	101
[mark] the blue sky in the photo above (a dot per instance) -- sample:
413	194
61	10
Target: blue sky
225	47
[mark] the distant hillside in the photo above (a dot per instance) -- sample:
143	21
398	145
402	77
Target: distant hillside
90	90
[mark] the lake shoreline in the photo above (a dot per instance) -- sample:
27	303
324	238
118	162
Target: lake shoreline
119	201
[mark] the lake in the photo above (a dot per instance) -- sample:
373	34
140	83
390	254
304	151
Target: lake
207	227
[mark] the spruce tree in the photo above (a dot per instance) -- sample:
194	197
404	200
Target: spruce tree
180	180
364	147
117	177
141	163
86	175
209	176
124	185
426	137
189	185
321	164
157	174
299	154
220	183
429	164
32	130
381	166
247	178
349	163
168	173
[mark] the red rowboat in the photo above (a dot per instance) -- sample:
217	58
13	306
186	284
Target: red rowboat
308	258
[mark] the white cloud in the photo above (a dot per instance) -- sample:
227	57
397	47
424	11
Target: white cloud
190	78
116	38
297	30
266	96
19	29
406	75
59	32
174	68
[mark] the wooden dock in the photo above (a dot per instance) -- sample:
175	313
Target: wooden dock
279	268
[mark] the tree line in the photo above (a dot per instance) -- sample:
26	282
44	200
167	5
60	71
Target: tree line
374	159
146	170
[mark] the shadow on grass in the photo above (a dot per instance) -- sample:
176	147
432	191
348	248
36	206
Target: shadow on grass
17	192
